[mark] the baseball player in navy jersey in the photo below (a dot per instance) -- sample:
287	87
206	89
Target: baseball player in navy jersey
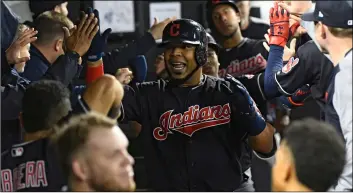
240	55
194	125
33	165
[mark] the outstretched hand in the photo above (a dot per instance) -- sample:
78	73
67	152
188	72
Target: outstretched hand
13	52
288	52
279	26
157	28
99	41
296	9
79	40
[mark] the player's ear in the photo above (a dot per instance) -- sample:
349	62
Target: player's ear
58	45
323	30
79	170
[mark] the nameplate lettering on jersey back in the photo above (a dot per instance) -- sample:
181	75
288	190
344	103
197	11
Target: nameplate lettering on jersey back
27	175
192	120
250	65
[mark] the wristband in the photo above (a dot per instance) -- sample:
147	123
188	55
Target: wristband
93	73
94	58
258	124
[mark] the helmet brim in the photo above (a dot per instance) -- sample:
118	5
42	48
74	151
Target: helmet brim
180	41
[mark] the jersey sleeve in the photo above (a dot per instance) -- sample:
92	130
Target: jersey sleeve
244	109
298	71
254	85
131	105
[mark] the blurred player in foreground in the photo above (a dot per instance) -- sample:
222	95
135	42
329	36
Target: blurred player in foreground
310	158
94	155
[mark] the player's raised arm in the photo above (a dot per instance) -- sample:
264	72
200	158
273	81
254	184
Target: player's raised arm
248	116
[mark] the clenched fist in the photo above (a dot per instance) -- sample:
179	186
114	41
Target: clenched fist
124	76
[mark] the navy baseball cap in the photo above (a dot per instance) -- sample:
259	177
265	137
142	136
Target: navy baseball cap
332	13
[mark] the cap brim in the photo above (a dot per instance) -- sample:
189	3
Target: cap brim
309	17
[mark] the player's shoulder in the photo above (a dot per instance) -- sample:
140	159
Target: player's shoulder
233	84
309	48
259	21
255	45
311	52
27	150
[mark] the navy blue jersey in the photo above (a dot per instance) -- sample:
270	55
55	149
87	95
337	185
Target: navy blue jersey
249	57
192	137
32	166
309	67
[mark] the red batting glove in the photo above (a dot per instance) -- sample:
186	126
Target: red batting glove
279	26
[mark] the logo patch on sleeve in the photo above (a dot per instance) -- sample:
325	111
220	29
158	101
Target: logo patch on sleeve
291	63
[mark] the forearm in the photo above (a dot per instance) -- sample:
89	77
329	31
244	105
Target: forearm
119	59
274	64
263	142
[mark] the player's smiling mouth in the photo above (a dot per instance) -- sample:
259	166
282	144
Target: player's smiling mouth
178	66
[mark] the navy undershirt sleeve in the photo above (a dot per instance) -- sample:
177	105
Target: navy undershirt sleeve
274	64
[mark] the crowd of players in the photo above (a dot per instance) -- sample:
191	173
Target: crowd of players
203	123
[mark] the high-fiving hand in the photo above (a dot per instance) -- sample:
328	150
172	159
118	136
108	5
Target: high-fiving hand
296	9
80	39
279	26
13	52
288	51
99	41
157	28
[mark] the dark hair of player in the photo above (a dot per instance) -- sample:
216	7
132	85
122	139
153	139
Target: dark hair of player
45	102
318	153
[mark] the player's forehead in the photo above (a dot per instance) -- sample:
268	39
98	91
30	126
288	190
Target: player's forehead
107	139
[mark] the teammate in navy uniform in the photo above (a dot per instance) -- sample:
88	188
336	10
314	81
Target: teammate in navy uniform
239	55
194	125
33	165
